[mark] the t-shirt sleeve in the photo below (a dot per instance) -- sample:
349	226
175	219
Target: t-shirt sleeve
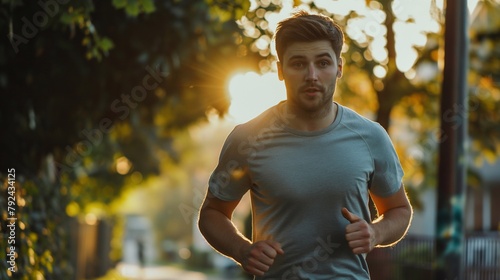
388	173
230	180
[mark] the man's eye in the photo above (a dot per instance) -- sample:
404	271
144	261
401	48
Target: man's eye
297	64
324	63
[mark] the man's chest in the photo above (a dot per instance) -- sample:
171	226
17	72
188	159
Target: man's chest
311	167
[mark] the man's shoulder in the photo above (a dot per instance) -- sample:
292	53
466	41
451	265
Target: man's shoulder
262	121
359	123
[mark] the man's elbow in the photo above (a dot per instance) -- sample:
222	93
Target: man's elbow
406	213
408	210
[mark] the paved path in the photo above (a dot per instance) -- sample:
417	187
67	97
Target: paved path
133	272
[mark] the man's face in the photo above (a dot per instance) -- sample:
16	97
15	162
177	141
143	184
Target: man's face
310	71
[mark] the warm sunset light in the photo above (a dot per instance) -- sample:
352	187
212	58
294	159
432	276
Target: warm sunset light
409	34
251	94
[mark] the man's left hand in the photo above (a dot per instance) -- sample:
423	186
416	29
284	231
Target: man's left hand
359	234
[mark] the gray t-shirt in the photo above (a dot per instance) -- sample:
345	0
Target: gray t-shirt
299	182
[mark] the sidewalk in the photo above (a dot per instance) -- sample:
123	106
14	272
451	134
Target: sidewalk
134	272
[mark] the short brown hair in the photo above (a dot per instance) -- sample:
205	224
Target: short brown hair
305	27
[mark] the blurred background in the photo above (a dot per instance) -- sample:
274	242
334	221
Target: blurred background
113	114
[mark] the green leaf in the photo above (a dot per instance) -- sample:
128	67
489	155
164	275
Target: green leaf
243	9
66	18
119	4
148	6
106	44
132	10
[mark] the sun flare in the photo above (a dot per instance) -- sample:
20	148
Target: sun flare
252	93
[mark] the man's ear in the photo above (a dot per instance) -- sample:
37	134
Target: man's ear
280	70
340	67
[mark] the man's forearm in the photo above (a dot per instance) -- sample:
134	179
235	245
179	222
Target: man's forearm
221	234
392	225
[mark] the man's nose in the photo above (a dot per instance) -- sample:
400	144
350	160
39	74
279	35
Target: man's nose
311	74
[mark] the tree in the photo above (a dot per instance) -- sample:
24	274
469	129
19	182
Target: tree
92	93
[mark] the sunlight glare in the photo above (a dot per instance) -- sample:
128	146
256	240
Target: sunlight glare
379	71
472	5
251	94
370	22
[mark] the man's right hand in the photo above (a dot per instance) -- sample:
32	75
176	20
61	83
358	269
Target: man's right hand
258	257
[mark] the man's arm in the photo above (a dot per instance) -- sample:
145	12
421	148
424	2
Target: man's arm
395	214
216	226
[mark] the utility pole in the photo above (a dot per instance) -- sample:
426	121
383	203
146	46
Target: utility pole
452	144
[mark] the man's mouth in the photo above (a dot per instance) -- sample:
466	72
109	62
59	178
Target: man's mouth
312	90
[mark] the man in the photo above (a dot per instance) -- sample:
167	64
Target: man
310	165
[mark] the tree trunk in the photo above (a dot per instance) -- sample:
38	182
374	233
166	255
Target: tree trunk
394	82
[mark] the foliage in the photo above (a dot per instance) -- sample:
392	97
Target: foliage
96	89
40	240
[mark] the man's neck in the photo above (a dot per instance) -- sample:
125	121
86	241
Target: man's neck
311	121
